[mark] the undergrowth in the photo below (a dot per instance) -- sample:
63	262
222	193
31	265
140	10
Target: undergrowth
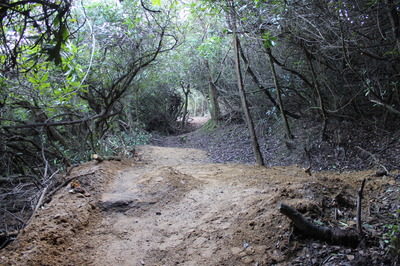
392	237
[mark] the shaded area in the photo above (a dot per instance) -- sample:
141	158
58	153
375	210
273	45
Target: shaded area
350	145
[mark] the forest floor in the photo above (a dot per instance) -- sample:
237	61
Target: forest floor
177	206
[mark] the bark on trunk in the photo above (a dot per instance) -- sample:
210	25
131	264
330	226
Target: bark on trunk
260	86
249	120
186	91
317	92
394	20
280	102
213	94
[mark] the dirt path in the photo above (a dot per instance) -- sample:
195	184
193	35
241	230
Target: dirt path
182	211
170	206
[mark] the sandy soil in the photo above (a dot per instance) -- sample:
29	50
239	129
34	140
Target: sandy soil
171	206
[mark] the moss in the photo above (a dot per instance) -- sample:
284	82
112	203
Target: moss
210	126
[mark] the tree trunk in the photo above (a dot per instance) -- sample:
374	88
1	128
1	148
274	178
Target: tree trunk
260	86
249	120
394	20
317	91
137	91
186	91
213	94
279	95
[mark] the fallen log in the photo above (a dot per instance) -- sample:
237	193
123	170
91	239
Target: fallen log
325	233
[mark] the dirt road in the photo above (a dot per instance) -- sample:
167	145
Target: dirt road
170	206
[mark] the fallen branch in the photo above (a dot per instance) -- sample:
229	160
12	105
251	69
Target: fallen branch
40	201
332	235
374	158
38	204
387	106
67	181
106	158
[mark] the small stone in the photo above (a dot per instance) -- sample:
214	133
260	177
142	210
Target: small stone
247	260
236	250
316	245
347	251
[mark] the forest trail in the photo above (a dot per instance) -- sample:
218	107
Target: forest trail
170	206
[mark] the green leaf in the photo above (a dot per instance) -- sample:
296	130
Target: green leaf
44	78
32	80
64	34
156	2
44	85
269	41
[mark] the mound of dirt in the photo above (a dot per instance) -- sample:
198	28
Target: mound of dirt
172	206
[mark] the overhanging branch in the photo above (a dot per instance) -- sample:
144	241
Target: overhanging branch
53	124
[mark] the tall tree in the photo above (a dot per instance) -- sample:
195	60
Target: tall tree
249	119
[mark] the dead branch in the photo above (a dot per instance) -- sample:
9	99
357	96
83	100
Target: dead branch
359	223
374	158
54	191
13	215
38	204
40	201
330	234
106	158
387	106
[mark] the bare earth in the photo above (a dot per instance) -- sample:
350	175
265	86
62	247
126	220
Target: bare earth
170	206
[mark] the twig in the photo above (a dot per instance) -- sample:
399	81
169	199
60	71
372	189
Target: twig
387	106
69	170
148	9
44	156
359	223
40	201
38	204
13	215
51	194
374	158
52	175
